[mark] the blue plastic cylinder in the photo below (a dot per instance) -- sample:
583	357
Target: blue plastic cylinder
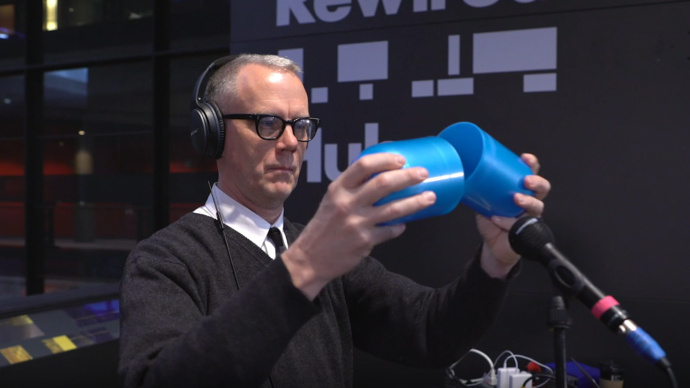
493	173
446	174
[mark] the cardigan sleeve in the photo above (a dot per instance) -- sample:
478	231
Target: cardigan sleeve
167	341
396	319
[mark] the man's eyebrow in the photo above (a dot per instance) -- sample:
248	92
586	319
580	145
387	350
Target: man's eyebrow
300	116
267	113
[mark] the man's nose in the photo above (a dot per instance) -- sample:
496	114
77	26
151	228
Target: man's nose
288	139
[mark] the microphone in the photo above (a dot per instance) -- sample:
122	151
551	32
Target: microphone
532	239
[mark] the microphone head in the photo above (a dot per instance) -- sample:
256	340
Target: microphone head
528	236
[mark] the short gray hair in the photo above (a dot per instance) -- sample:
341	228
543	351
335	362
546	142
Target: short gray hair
224	81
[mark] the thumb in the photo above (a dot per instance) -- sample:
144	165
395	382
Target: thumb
504	223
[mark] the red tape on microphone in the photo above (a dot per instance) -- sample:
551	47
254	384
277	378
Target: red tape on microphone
603	306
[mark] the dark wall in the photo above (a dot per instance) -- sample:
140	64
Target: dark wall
611	135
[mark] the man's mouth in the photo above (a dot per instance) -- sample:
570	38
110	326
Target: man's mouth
281	168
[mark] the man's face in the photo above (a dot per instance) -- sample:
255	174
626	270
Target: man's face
257	171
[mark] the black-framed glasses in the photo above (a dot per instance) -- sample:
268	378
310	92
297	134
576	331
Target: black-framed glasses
270	127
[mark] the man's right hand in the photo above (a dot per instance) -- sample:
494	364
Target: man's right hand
345	228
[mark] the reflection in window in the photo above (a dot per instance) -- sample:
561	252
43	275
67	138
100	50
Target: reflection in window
12	107
6	21
88	29
11	35
11	186
50	15
98	100
59	14
68	86
199	23
97	153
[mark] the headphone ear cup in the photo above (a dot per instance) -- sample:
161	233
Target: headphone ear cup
219	125
206	120
208	130
199	130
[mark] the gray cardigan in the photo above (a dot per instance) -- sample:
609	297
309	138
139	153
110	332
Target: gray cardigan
184	324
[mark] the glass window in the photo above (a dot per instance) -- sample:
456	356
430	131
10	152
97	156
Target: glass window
87	29
199	24
98	158
12	40
11	187
12	107
188	183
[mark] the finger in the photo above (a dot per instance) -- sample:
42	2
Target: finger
539	185
368	165
389	182
532	206
504	223
385	233
402	207
532	162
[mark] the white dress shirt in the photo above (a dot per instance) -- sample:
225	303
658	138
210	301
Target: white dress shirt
243	220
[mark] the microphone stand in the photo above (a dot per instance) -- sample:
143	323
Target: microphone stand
559	321
532	238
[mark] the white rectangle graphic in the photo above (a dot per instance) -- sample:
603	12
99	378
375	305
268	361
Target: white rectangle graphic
423	88
455	86
296	55
371	134
437	5
518	50
366	91
319	95
545	82
420	5
363	61
453	54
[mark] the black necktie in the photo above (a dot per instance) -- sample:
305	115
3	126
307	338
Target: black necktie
277	238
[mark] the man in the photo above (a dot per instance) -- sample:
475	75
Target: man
292	317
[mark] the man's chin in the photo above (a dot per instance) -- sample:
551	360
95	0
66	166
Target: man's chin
281	190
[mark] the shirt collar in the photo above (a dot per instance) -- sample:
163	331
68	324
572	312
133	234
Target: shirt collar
240	218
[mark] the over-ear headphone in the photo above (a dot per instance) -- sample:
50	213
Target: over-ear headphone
206	121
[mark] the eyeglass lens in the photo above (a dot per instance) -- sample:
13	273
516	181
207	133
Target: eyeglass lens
270	127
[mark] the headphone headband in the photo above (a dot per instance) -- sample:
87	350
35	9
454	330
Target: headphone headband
200	86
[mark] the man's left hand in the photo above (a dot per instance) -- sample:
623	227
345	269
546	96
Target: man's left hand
498	257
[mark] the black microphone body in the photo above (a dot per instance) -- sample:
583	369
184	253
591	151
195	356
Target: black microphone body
532	239
573	284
